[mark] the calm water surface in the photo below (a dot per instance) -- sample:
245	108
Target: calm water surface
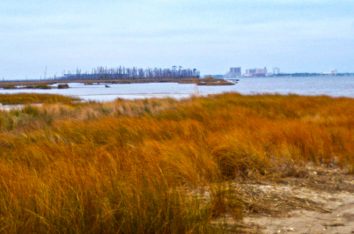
331	86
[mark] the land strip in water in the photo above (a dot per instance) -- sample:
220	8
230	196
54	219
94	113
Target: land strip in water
48	84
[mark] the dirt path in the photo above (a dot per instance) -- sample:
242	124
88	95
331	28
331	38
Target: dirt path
320	202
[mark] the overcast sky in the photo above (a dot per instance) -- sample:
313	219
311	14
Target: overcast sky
211	35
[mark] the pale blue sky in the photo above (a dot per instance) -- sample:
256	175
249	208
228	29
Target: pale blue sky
212	35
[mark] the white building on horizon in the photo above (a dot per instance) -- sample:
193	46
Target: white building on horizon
234	72
256	72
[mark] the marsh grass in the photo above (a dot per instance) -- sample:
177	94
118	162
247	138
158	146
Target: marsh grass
31	98
131	166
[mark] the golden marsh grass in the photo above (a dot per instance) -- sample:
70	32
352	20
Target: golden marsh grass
135	166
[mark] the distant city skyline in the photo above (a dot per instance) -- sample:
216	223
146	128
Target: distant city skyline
40	37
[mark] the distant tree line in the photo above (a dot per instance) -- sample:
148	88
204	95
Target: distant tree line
134	73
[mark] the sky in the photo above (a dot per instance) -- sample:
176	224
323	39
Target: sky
211	35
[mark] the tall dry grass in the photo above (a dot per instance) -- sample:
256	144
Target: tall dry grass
32	98
140	166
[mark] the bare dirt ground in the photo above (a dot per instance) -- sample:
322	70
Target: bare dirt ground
321	201
318	200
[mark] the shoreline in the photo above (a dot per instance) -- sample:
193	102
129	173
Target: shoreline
47	84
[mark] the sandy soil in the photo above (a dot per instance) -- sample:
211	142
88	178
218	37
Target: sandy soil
321	201
10	107
16	107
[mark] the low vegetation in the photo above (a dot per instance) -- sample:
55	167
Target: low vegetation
157	165
27	86
37	86
24	98
211	81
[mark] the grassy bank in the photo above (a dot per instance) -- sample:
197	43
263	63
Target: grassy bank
158	166
32	98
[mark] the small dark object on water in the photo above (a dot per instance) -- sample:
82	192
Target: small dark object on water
107	86
63	86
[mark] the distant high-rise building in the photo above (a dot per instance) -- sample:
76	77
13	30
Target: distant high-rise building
234	72
276	71
256	72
